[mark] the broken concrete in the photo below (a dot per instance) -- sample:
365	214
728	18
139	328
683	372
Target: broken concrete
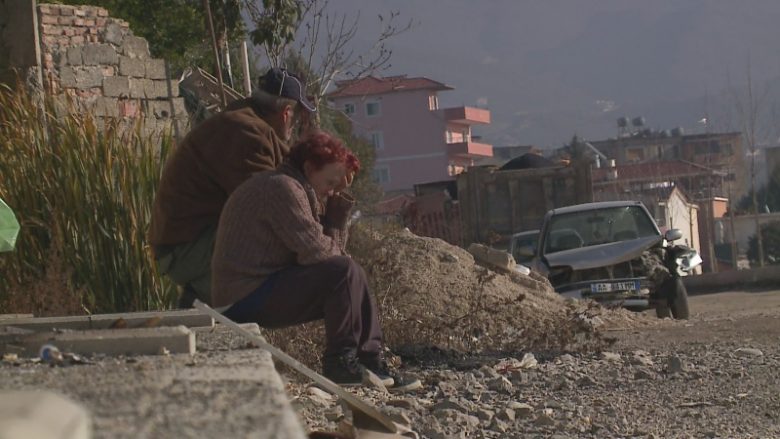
189	318
139	341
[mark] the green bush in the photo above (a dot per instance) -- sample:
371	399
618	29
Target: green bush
82	189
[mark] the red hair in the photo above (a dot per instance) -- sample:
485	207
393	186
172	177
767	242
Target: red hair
320	149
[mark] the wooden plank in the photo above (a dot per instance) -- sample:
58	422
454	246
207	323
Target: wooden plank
138	341
355	403
189	318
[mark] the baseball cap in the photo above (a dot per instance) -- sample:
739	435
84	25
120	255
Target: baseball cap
280	82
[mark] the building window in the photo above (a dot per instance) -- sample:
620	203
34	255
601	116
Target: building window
381	175
349	109
373	108
449	136
433	102
378	140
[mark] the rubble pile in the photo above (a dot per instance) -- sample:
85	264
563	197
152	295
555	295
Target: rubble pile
431	292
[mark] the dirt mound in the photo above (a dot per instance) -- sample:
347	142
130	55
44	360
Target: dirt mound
430	292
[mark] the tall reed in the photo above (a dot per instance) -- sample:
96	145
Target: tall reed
82	189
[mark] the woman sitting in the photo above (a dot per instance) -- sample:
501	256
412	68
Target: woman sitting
280	258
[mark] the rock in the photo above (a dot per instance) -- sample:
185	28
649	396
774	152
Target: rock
449	405
408	404
500	384
506	414
641	358
319	396
586	381
544	420
400	418
484	414
447	388
566	359
488	372
610	356
334	414
643	373
518	377
521	409
448	257
674	365
748	353
499	426
528	361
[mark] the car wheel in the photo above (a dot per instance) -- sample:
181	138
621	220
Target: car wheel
679	304
674	301
662	310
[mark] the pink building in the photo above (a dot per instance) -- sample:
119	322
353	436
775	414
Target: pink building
415	140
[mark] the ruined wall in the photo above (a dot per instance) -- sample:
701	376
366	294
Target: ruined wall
97	60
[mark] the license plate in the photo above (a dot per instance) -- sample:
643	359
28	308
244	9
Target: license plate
607	287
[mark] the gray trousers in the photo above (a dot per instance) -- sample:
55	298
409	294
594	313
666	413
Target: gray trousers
189	264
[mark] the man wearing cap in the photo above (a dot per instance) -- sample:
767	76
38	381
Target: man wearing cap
215	157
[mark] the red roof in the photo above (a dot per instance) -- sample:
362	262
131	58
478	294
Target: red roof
650	170
372	85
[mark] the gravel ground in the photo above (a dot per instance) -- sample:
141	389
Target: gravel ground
715	375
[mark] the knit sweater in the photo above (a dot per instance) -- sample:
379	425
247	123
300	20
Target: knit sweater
270	222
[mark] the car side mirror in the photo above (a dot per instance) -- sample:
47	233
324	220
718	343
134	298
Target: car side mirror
526	251
673	235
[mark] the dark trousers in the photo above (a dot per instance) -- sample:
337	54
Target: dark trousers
335	290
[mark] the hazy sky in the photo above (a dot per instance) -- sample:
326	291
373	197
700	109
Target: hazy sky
548	69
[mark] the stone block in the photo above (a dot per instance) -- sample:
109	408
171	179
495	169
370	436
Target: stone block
106	107
129	108
116	86
155	69
135	47
149	89
79	12
179	109
68	77
190	317
75	56
137	88
49	19
162	109
132	67
42	415
95	54
66	10
162	88
88	77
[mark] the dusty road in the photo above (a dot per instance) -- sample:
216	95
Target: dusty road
716	375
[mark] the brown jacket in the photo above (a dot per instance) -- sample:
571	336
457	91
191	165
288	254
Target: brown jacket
209	164
269	223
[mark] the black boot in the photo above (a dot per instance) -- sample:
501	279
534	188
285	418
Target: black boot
343	369
376	362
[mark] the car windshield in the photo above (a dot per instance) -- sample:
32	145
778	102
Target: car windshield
525	240
598	226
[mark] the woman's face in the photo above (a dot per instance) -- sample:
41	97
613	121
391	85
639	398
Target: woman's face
326	180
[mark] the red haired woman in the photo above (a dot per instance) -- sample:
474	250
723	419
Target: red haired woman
280	261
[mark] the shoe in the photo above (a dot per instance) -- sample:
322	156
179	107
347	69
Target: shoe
394	381
187	297
343	369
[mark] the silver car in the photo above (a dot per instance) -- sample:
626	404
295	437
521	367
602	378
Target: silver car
614	253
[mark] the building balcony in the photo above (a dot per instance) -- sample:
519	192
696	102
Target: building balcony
470	150
467	115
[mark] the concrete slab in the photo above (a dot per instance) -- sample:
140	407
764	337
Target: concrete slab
42	415
189	318
139	341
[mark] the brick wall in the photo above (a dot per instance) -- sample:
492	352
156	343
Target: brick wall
97	60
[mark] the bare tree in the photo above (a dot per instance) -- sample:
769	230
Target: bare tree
750	108
322	41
